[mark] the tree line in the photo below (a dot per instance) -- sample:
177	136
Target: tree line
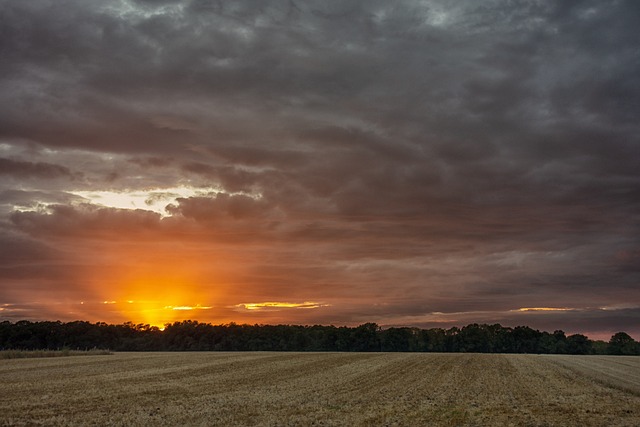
195	336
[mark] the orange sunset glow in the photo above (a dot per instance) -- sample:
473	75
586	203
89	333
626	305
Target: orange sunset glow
423	164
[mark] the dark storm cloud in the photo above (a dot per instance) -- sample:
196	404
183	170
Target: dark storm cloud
85	221
470	156
18	250
24	170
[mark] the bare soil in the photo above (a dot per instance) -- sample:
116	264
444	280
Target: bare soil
321	389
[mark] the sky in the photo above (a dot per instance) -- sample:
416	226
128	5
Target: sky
417	163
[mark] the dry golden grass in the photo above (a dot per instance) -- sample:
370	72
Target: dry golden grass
323	389
29	354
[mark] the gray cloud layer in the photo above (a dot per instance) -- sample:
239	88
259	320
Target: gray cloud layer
420	157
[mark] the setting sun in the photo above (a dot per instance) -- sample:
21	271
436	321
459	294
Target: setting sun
158	301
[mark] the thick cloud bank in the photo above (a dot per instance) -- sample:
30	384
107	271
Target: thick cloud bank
423	163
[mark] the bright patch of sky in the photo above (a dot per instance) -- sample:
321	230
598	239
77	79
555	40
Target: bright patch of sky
155	200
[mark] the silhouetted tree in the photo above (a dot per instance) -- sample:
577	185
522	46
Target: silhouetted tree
396	339
366	338
578	344
191	335
622	344
526	340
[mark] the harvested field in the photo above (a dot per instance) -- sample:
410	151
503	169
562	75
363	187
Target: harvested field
327	389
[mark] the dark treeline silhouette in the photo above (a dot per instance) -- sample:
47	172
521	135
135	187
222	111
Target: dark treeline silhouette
195	336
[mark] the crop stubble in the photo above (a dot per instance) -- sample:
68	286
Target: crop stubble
321	389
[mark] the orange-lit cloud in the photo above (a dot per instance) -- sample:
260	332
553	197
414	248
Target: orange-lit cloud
187	307
279	305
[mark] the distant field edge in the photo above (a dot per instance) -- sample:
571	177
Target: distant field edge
30	354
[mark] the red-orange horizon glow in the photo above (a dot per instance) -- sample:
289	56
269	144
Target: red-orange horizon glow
155	313
152	284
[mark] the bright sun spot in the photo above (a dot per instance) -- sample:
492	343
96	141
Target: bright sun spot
155	312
